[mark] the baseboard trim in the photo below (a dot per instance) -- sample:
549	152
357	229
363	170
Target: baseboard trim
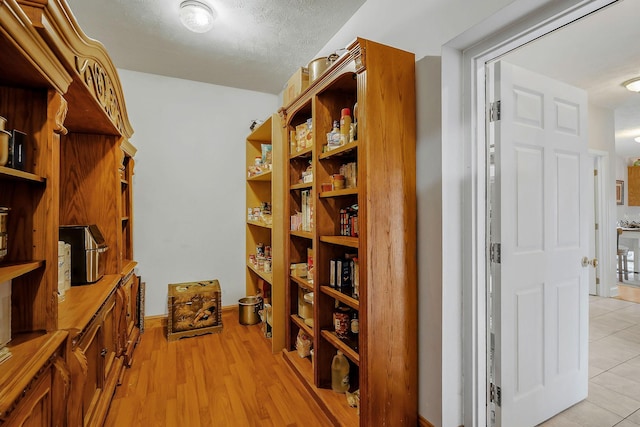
160	321
424	423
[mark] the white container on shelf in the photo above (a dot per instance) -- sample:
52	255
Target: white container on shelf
5	313
305	308
61	288
67	266
64	269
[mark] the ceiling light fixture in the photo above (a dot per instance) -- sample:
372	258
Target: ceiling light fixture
197	16
633	85
637	139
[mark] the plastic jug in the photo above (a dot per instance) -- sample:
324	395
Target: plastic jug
340	373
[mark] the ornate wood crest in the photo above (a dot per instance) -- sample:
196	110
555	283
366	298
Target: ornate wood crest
102	89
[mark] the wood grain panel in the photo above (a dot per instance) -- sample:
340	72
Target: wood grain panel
633	177
90	188
81	303
31	353
32	219
387	172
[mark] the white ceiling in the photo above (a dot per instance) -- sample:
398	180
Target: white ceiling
258	44
596	53
255	44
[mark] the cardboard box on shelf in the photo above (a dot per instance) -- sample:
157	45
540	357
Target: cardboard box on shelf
296	85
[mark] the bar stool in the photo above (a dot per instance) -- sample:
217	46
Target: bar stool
623	255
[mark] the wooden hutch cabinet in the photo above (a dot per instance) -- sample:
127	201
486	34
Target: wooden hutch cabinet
61	89
365	221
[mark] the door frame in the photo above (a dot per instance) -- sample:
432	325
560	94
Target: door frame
605	217
464	180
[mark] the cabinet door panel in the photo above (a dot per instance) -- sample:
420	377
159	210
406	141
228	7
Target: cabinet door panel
35	408
110	335
92	345
633	173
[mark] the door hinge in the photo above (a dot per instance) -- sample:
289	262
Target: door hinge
597	227
494	111
495	395
595	172
495	252
597	280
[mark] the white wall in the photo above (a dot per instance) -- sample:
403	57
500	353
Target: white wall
430	239
601	129
601	134
418	26
189	182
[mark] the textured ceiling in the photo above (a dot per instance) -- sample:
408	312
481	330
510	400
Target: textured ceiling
258	44
255	44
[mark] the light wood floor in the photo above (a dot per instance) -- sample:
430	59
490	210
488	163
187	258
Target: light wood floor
628	293
225	379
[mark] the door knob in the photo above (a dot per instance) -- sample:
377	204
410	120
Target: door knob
587	262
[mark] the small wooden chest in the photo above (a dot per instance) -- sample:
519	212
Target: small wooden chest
194	308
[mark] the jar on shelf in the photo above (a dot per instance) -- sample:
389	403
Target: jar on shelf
342	321
4	147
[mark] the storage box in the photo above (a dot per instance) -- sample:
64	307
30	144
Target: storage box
194	308
299	269
305	308
5	313
296	85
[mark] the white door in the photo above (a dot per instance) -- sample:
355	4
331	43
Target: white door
540	216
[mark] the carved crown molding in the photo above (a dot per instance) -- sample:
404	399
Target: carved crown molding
97	80
80	55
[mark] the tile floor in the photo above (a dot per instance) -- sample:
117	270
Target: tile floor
614	368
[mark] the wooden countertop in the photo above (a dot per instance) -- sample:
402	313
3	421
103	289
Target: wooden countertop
29	353
129	265
82	302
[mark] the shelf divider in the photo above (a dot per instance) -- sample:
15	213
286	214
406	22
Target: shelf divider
300	323
13	270
20	175
268	277
351	242
302	282
342	346
340	296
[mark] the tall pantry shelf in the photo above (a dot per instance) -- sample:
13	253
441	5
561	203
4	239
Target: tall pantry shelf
350	217
264	241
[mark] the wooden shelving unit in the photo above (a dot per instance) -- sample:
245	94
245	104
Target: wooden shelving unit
382	196
261	189
60	88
